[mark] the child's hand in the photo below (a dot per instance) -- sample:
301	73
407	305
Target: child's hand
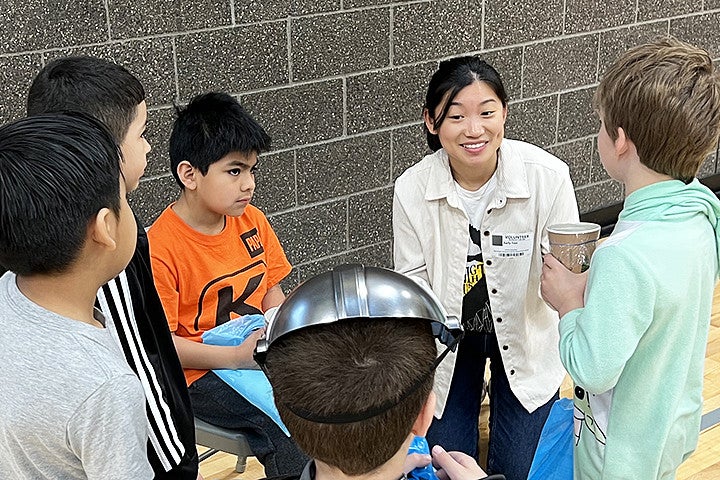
455	465
244	351
562	289
416	460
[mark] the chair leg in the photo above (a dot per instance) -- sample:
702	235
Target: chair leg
241	464
207	454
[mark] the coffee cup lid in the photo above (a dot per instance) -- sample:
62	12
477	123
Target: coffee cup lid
574	228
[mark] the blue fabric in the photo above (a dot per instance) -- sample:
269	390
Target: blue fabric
554	454
253	385
420	445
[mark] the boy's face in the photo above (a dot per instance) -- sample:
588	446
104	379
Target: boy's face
606	151
229	184
135	149
126	232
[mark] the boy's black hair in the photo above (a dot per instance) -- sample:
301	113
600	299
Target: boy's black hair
56	172
211	126
100	88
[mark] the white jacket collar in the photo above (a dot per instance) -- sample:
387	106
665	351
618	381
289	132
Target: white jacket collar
511	177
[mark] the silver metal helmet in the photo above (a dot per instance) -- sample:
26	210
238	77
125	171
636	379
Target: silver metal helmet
357	291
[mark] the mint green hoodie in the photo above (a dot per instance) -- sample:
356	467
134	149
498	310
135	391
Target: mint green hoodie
637	348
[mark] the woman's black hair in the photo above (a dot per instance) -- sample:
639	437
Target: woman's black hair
452	76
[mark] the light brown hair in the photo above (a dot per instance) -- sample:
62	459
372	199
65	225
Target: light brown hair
344	368
665	95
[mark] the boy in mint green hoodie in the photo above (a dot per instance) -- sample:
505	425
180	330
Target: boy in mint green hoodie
633	329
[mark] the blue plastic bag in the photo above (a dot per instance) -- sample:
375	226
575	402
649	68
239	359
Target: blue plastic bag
253	385
420	445
554	454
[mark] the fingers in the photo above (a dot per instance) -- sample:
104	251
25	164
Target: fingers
416	460
455	465
551	262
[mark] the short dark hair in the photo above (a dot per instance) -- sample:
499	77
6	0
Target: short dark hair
211	126
452	76
56	172
105	90
347	367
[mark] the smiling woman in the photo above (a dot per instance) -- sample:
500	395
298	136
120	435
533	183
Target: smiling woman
470	221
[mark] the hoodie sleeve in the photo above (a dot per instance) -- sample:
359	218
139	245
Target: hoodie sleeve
597	340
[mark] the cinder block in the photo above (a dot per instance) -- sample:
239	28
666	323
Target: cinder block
370	217
648	10
702	31
250	11
150	60
508	63
232	60
425	31
152	196
299	114
597	171
577	118
615	42
587	15
578	156
559	65
159	127
343	167
275	187
328	45
32	25
379	255
305	7
391	97
129	18
599	195
533	120
16	75
409	146
519	21
312	232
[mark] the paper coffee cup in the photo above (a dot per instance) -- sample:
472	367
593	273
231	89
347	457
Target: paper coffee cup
574	243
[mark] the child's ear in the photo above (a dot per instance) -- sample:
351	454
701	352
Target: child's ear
425	417
429	121
104	228
622	143
186	174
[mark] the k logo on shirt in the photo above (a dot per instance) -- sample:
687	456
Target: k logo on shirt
225	298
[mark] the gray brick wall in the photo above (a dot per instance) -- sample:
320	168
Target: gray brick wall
339	85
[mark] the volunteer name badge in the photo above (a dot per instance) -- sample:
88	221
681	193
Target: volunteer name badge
512	244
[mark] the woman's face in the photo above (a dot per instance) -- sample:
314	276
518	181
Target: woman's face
471	133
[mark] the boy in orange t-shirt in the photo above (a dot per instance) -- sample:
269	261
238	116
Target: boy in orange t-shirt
215	257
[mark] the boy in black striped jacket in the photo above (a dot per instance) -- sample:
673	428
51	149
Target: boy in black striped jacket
114	96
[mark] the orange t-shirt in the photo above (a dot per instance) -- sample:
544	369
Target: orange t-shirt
207	280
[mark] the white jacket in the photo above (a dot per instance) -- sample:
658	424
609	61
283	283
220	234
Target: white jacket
430	229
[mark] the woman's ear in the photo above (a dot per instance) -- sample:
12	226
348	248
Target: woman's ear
429	121
425	417
186	174
505	111
104	229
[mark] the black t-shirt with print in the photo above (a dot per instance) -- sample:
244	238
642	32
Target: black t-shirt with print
476	313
